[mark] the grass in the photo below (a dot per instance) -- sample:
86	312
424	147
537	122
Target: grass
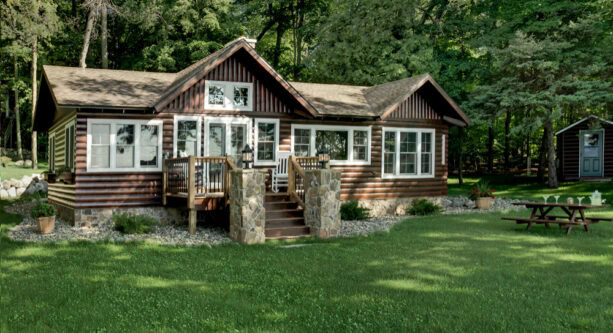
11	171
442	273
529	189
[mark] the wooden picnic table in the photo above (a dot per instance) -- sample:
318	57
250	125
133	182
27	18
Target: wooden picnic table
575	215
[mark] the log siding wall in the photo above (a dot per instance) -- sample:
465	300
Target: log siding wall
57	130
568	151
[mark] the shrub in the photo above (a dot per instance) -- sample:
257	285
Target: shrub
352	211
423	207
481	190
134	224
5	160
43	209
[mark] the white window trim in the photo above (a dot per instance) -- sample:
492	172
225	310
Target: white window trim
349	129
51	156
114	123
175	134
228	122
396	174
74	149
228	95
443	149
255	144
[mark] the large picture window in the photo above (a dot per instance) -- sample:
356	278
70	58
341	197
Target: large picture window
187	136
408	153
347	145
267	141
124	145
226	95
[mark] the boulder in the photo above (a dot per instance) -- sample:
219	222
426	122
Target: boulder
25	180
27	163
5	185
16	183
4	194
36	186
12	192
20	191
19	163
401	209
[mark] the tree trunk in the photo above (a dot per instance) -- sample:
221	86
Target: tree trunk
490	148
34	85
540	174
551	158
507	143
298	37
86	38
17	116
74	8
461	157
104	38
277	52
528	156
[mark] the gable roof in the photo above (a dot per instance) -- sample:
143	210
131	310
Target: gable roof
108	88
581	121
374	101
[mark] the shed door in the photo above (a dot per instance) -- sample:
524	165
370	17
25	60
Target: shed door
591	153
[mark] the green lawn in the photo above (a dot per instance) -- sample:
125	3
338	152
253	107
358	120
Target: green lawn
13	171
443	273
527	188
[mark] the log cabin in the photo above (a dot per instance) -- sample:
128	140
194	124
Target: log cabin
114	129
584	149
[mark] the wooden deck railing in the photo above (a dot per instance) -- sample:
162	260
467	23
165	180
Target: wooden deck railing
295	173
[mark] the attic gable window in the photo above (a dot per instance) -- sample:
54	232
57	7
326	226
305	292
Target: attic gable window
226	95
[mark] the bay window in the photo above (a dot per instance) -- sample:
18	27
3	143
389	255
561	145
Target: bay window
226	95
347	145
124	145
408	153
187	133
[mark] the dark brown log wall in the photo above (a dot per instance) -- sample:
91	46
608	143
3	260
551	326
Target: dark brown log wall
568	151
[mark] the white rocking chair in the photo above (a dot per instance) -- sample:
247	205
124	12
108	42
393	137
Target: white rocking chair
279	173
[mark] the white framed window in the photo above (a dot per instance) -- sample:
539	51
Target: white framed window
51	152
266	141
226	95
443	149
408	152
347	145
69	145
124	145
226	136
187	132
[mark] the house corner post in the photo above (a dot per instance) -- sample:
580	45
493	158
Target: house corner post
247	212
323	202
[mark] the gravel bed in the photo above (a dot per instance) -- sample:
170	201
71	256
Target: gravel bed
168	234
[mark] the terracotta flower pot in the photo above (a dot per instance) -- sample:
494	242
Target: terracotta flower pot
67	177
46	224
484	202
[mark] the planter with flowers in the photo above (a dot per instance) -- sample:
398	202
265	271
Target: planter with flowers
482	194
44	213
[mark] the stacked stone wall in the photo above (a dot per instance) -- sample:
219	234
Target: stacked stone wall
322	202
247	212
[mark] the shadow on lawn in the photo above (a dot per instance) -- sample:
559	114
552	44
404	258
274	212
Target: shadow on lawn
453	272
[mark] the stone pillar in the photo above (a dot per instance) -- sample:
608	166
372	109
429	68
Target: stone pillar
323	202
247	213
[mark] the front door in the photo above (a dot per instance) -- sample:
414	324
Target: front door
591	153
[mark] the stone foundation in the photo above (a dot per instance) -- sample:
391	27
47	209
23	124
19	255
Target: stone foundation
392	207
322	202
247	212
93	217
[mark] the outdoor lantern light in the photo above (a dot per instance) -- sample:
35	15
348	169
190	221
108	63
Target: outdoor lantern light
247	156
323	156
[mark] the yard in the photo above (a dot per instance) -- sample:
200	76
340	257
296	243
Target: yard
442	273
11	171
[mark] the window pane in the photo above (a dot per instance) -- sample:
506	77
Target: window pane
187	138
266	132
149	146
149	156
237	138
302	142
101	134
389	159
426	142
241	96
359	153
216	95
360	142
426	163
266	142
335	141
100	156
407	163
124	151
408	142
217	140
426	153
266	151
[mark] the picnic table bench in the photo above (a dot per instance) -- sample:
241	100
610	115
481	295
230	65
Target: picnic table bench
575	215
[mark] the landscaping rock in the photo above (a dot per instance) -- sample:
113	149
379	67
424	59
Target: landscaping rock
19	163
37	186
27	163
6	184
25	181
4	194
20	191
12	193
15	183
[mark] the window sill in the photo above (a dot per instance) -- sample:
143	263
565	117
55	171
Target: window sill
126	170
407	176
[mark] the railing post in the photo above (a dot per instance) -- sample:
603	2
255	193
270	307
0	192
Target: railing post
227	179
191	193
164	182
291	177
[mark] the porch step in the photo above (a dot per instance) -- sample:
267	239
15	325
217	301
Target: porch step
284	219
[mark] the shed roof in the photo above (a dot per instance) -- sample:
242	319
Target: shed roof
581	121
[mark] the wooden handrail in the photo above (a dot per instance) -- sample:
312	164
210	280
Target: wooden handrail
231	164
293	168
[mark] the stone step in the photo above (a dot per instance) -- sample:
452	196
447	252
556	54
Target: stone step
282	213
280	205
287	231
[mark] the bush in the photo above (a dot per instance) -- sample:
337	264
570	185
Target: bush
43	209
481	190
423	207
352	211
134	224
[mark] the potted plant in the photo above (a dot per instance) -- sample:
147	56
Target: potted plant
44	213
482	194
65	175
